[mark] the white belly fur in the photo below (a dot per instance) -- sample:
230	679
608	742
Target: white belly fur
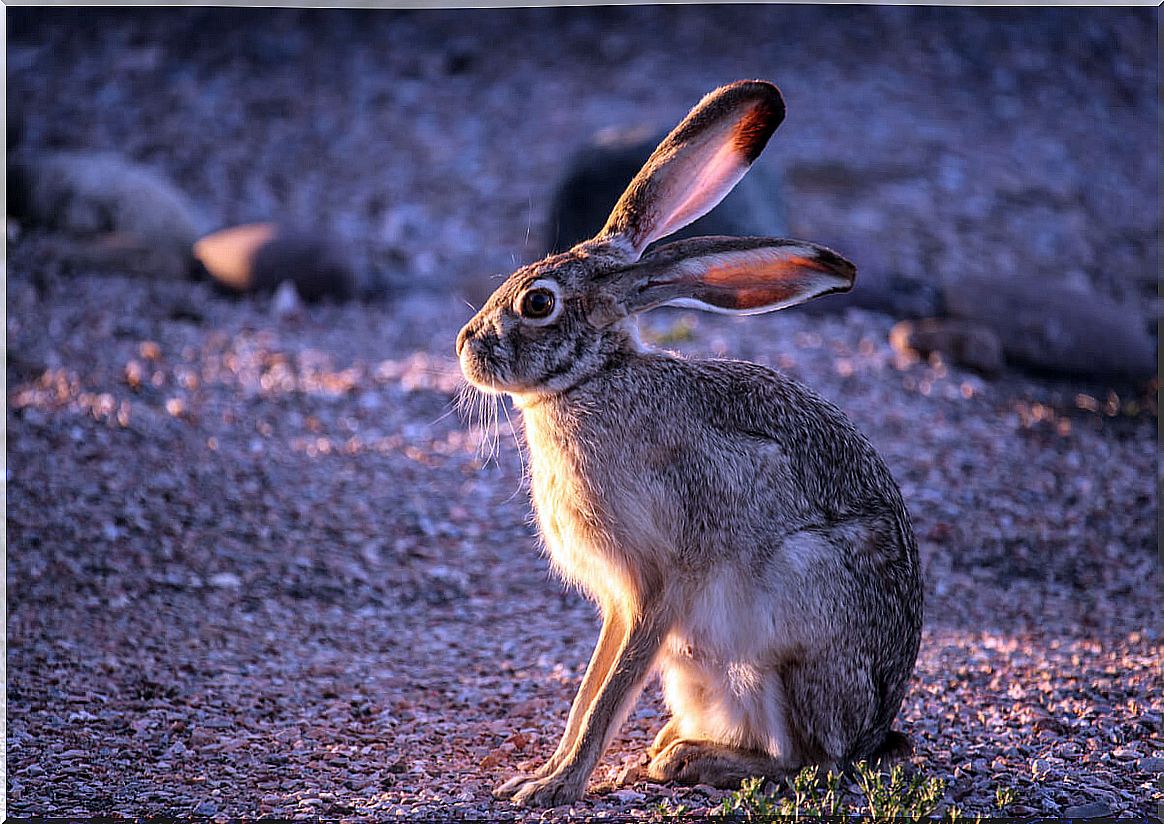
603	544
718	667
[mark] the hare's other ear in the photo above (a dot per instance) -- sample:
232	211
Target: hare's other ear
743	276
696	165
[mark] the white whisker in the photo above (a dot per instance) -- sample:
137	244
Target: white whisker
482	420
528	216
450	408
494	430
520	454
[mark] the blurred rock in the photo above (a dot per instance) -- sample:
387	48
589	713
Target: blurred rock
114	213
1056	329
597	174
228	254
116	253
257	257
965	342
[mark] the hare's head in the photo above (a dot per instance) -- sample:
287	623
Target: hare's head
556	322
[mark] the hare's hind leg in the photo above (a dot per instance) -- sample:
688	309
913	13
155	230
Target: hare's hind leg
834	710
727	725
708	762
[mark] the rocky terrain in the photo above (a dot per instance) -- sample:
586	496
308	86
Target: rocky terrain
258	564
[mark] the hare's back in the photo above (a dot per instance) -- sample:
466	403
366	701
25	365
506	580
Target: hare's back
747	417
663	460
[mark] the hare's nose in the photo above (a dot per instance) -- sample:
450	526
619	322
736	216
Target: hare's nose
463	336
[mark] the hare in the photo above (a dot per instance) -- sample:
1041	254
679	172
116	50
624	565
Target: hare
737	533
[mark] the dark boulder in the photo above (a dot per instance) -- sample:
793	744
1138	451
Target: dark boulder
1048	327
257	257
964	342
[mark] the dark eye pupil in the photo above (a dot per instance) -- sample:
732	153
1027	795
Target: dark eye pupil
537	303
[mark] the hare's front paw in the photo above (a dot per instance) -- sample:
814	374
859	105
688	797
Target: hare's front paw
510	787
550	791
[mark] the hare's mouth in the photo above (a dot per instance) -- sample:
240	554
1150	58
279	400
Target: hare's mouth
481	370
491	377
492	373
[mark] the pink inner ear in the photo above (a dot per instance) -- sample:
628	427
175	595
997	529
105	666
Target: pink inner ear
750	281
720	173
695	166
775	282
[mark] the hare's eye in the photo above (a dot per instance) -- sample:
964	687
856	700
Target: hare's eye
537	304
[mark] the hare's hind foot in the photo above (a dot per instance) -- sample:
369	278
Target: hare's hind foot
668	735
707	762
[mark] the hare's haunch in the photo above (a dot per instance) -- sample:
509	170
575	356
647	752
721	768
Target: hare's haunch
736	531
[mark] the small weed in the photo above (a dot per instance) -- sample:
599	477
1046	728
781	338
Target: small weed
954	815
812	794
809	795
749	802
897	794
665	810
1005	797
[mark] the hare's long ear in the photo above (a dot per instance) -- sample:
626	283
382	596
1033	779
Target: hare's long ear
741	276
696	165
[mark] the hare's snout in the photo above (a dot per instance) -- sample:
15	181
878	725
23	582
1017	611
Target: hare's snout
467	347
474	354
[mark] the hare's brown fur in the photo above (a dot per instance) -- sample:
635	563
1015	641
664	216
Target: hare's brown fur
737	533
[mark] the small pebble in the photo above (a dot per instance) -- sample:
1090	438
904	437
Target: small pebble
206	808
225	580
627	796
1094	809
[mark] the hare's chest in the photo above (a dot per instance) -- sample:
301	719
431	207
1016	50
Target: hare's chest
584	523
574	526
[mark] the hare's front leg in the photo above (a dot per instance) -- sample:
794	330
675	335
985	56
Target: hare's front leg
640	644
611	638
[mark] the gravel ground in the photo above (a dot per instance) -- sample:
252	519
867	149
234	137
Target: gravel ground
258	566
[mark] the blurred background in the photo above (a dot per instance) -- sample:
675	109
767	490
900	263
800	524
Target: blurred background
927	144
259	565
